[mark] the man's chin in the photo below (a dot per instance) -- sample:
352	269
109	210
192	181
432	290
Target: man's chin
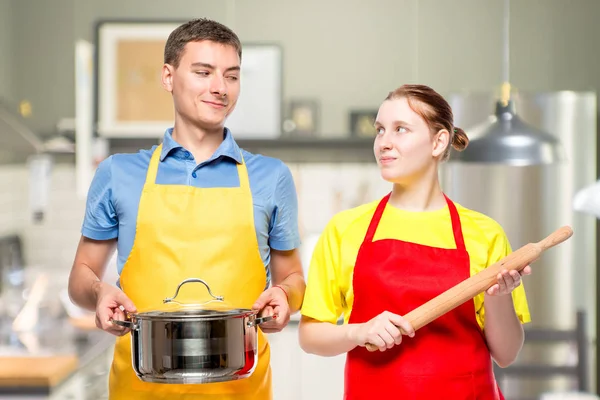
211	123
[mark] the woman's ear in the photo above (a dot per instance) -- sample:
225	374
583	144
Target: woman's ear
441	140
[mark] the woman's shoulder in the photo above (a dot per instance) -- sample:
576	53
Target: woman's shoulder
480	225
353	218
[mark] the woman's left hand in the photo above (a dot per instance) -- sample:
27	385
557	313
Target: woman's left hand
508	281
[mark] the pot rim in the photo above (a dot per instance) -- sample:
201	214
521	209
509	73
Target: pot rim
193	315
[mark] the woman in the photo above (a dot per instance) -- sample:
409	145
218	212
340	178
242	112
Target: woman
377	262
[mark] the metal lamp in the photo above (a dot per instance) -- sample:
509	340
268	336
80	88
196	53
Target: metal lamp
506	138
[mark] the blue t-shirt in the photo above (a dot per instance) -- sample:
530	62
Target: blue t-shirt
114	195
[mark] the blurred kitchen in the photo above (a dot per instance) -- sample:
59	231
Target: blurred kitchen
321	69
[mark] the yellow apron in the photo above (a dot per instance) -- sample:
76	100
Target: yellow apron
183	232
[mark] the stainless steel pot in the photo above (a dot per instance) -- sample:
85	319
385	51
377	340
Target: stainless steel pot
194	343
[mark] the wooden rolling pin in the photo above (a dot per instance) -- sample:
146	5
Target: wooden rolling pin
479	283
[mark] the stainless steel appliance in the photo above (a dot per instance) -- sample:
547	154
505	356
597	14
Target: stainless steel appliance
530	202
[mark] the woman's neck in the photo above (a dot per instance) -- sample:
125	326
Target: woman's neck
425	195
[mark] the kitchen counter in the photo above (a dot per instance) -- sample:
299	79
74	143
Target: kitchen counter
89	380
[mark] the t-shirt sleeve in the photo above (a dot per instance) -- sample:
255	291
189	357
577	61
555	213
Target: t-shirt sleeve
100	220
323	299
283	231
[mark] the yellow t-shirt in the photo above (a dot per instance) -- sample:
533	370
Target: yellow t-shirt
329	293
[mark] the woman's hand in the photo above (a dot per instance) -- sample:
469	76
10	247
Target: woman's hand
384	331
508	281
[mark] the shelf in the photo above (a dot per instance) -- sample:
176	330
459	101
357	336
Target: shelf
290	150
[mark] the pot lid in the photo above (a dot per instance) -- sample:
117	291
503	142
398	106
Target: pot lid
215	307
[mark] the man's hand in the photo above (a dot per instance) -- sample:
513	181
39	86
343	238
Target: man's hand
108	307
273	301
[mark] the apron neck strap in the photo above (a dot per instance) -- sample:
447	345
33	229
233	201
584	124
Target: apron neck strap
243	174
456	226
376	218
153	166
155	161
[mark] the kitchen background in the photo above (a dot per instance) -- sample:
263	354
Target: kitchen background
340	57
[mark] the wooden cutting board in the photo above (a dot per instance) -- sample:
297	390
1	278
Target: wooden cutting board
36	371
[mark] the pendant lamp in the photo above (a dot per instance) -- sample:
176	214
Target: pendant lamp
505	138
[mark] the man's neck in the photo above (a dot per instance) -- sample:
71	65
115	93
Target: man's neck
202	143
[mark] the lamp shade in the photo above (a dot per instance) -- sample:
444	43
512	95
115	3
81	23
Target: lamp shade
507	139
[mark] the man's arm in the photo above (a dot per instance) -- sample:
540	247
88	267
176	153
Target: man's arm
87	290
286	294
287	272
88	269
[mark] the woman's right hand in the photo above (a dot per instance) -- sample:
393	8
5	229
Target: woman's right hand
108	307
384	331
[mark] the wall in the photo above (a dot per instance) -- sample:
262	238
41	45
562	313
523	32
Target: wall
348	54
13	197
6	47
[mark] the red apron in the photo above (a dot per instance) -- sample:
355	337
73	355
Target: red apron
448	358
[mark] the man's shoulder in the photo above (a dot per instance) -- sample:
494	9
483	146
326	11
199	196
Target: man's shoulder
129	160
123	167
264	166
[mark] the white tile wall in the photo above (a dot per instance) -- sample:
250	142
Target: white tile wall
51	243
326	189
13	194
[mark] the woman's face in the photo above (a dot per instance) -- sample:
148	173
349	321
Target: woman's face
405	148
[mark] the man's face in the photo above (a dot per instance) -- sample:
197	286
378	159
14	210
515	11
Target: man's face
206	84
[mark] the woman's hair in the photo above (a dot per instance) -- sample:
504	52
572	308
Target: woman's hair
436	112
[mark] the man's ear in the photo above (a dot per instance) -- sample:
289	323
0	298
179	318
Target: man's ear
167	77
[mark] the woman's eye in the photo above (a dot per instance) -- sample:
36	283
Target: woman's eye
380	131
401	129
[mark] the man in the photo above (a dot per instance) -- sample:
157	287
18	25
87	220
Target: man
196	206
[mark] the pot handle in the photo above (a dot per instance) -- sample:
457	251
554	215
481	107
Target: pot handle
261	320
127	324
190	280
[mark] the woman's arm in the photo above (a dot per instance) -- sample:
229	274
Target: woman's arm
502	327
324	338
328	340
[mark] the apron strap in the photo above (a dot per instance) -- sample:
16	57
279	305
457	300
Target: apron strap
153	166
243	174
376	218
456	226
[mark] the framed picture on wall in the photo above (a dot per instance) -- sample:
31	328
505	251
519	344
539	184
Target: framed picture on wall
302	118
362	123
130	99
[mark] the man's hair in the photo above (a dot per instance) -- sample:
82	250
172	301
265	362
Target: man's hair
198	30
